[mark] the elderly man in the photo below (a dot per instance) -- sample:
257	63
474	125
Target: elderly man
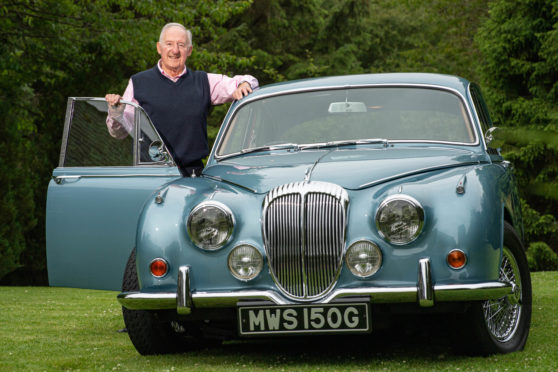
177	99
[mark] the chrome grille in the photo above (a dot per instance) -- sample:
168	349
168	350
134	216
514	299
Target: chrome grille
304	236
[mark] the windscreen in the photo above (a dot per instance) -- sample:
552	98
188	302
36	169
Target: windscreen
392	113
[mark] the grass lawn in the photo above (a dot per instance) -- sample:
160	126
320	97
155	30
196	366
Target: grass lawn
53	329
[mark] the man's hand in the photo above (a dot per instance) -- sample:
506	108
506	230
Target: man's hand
114	107
242	90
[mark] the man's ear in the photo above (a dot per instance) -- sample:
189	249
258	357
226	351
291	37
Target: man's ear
159	48
189	50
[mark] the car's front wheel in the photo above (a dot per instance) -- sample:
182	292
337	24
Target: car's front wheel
502	325
148	330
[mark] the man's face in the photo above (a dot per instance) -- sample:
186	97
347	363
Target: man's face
174	49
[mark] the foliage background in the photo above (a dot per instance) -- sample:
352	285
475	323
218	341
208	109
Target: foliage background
50	50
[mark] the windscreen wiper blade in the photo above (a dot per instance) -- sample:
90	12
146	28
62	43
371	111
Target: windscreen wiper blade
382	141
281	146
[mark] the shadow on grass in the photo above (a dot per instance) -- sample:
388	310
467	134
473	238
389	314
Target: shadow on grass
411	336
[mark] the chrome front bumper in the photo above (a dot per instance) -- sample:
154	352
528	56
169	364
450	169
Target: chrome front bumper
424	293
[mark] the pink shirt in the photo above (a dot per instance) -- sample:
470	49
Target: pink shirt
221	88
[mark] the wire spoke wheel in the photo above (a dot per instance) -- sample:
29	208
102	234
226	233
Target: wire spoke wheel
502	325
502	315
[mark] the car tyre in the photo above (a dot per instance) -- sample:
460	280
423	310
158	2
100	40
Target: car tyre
148	332
502	326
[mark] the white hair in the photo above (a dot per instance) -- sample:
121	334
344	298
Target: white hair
172	24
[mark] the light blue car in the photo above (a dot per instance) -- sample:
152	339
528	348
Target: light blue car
326	206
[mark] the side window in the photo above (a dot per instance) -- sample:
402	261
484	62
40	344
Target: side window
87	141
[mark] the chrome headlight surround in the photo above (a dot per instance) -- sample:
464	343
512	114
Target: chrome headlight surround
363	258
399	219
210	225
245	262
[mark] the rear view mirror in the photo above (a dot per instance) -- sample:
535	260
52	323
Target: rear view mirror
342	107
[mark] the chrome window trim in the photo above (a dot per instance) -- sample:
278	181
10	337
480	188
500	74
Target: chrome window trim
249	99
476	113
136	131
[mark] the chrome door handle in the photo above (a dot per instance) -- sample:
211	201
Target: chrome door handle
59	179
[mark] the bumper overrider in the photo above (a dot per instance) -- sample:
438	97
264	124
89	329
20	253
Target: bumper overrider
424	293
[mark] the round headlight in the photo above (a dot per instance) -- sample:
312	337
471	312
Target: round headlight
210	225
399	219
363	258
245	262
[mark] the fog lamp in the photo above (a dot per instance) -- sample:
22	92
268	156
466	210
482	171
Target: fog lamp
456	259
245	262
363	258
159	267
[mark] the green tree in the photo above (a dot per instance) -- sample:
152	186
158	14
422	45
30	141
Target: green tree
50	50
519	45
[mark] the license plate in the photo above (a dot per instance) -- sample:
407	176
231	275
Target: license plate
293	319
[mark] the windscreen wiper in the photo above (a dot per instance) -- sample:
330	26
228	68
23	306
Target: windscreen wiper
281	146
382	141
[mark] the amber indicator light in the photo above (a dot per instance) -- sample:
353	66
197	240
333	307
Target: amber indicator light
457	259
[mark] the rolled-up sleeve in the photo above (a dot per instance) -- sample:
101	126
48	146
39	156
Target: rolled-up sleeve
222	86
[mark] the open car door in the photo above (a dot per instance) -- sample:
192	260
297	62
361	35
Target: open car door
97	192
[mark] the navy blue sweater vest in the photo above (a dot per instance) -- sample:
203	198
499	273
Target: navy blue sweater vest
178	111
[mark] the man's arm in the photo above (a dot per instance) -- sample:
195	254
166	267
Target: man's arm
226	89
120	118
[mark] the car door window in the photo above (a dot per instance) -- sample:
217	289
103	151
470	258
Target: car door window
88	142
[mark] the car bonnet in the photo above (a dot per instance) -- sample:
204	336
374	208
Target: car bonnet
348	167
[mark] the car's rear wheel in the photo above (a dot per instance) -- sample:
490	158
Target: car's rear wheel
502	325
148	330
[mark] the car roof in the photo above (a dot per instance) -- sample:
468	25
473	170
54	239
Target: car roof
427	79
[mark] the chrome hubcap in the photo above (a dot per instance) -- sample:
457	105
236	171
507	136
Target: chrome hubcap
502	315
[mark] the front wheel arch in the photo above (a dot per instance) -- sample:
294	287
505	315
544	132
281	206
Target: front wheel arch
502	326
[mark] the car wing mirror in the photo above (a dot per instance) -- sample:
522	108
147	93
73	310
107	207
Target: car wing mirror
493	137
157	152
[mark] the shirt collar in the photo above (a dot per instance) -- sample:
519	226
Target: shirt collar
172	78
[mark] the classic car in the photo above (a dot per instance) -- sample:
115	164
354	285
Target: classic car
326	205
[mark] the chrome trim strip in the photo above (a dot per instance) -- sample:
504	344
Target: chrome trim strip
147	301
249	99
219	179
424	284
64	145
59	179
413	172
184	295
442	293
